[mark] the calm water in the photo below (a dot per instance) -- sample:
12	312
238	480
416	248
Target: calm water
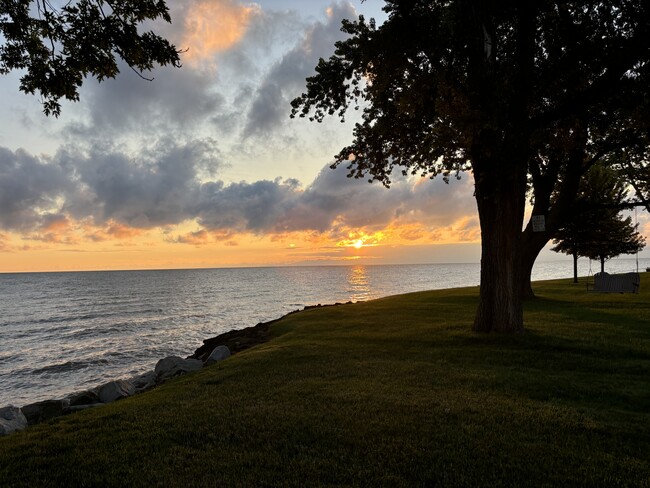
63	332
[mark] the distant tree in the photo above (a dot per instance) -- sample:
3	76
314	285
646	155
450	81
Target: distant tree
570	238
526	95
58	46
619	236
595	227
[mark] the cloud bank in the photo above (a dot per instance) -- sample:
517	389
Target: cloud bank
114	195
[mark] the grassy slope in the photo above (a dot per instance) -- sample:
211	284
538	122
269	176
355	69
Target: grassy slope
396	391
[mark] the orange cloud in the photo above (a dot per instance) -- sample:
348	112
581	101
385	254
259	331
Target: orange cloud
121	231
198	238
58	224
56	229
201	237
62	230
112	230
4	243
465	229
412	232
54	238
213	26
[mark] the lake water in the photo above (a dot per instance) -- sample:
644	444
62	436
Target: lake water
65	332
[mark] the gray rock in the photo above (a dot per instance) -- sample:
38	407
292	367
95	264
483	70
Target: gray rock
173	366
218	354
143	381
46	410
79	408
84	398
115	390
11	420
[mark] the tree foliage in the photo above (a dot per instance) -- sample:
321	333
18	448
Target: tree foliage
528	95
57	47
635	169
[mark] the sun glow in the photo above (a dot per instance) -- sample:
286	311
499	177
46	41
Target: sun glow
359	239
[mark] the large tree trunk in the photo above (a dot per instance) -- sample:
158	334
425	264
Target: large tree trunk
499	152
575	265
500	199
531	246
556	211
526	271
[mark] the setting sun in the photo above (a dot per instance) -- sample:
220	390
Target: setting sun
358	244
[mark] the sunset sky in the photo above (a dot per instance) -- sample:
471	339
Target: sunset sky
203	166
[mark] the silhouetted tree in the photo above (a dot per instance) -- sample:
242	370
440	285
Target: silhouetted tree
595	227
619	236
58	46
526	95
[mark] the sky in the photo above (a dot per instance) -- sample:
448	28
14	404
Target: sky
203	167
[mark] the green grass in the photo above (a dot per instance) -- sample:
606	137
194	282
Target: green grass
393	392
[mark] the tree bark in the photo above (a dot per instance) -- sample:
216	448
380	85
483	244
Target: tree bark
554	210
575	265
526	287
531	245
602	265
500	199
499	151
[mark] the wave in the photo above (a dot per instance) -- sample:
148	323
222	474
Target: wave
82	317
68	366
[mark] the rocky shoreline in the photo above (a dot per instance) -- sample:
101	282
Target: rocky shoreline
213	350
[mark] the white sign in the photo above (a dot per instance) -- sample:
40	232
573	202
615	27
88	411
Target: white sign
539	223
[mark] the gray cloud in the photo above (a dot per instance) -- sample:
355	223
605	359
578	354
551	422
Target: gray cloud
174	102
242	97
253	207
332	199
166	184
286	79
29	186
158	188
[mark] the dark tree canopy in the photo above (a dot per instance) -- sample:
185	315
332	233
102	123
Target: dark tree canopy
527	95
58	46
635	169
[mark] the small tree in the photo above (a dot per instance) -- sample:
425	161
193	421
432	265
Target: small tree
595	228
571	236
619	236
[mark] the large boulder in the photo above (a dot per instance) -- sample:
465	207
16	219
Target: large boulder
84	398
218	354
173	366
11	420
235	340
144	381
46	410
115	390
79	408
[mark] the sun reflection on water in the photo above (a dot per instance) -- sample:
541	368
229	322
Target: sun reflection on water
358	284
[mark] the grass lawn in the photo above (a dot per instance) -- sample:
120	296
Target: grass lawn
392	392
